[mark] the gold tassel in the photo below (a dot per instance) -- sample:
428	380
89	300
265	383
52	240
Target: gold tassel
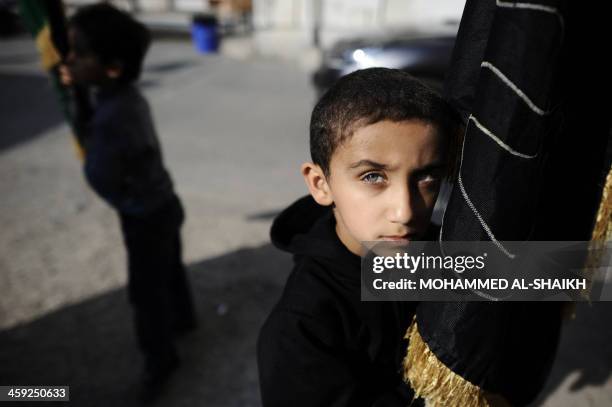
603	224
602	232
433	381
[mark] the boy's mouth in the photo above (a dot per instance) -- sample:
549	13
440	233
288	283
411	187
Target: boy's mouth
405	238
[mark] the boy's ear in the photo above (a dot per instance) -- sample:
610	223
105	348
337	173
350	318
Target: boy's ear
317	184
114	70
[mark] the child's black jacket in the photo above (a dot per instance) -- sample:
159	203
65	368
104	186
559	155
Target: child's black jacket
322	346
123	160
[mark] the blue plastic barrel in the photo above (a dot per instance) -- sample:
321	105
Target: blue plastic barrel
205	33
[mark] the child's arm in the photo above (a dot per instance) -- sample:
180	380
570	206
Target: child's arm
79	105
105	166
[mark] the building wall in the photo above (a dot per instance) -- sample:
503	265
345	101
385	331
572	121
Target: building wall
296	19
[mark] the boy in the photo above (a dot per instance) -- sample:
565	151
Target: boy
123	164
378	140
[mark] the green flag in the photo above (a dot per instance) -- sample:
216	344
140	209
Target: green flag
45	21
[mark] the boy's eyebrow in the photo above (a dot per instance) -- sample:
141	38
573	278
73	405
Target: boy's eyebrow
429	168
368	163
379	166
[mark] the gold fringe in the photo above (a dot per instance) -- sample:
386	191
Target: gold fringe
433	381
49	56
602	231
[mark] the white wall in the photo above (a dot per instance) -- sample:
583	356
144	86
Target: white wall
280	14
422	12
350	14
295	19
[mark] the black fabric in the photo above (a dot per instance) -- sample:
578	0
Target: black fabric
157	283
509	348
322	346
123	159
462	78
504	348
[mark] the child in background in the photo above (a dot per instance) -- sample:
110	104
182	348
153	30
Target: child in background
123	164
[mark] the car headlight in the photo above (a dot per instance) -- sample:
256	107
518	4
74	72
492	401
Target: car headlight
362	59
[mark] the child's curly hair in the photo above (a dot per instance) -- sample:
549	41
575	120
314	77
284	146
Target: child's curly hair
371	95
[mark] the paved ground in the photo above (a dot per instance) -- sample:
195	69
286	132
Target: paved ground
234	133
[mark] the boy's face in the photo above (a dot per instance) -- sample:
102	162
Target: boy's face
85	66
384	182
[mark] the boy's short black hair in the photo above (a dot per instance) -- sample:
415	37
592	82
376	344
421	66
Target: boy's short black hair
114	36
371	95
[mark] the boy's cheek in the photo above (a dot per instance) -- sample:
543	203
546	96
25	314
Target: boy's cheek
363	223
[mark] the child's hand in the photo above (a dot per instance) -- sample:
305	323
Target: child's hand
65	75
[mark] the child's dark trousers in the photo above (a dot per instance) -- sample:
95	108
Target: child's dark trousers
158	288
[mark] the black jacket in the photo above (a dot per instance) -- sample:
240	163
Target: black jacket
322	346
123	160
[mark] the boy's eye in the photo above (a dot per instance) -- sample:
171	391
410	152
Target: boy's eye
428	179
373	178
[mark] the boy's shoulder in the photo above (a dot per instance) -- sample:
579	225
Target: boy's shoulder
310	308
309	290
324	273
126	104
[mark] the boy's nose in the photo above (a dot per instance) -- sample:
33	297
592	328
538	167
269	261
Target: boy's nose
401	211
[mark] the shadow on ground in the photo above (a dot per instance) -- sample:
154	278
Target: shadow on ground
90	346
